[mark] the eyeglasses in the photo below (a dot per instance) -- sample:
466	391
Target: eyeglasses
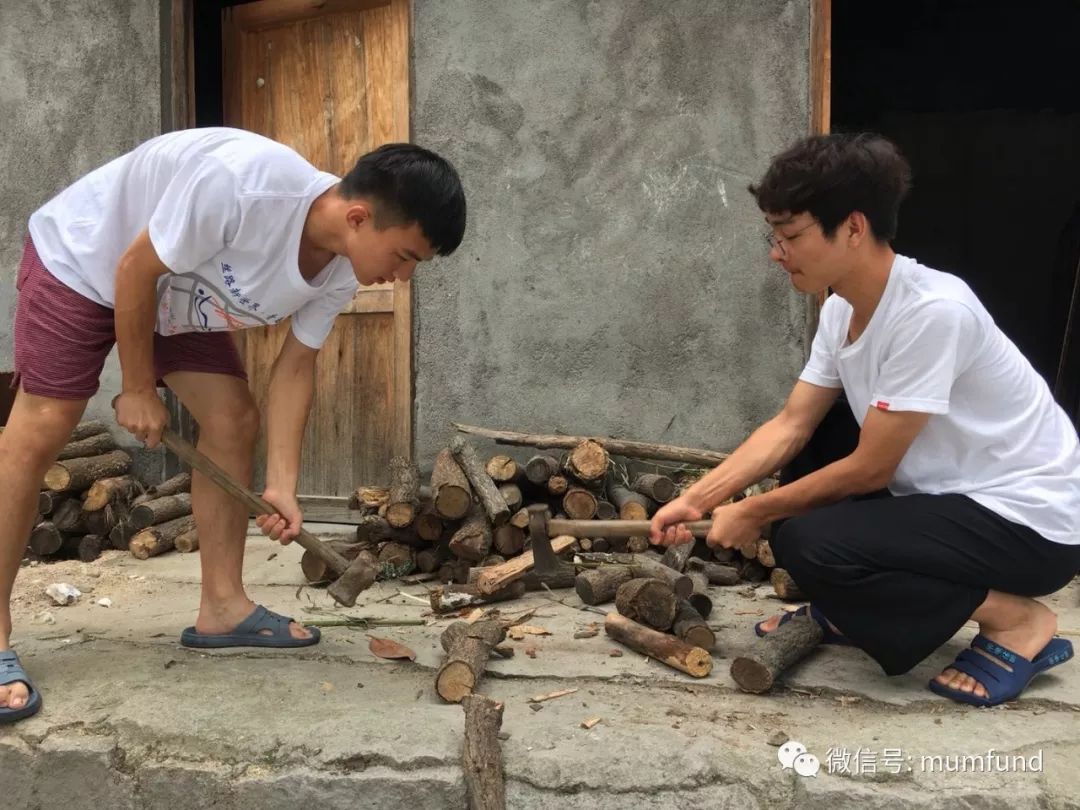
774	241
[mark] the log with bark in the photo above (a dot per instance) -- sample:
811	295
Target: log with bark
588	461
485	788
49	500
429	525
579	504
509	540
786	587
482	485
643	566
181	482
753	571
497	577
699	599
631	505
403	503
68	517
451	491
512	495
85	430
368	499
599	585
647	601
605	510
659	488
372	529
716	573
472	541
664	648
189	542
96	445
106	491
155	540
788	644
676	557
454	597
454	571
502	469
468	647
395	560
764	553
103	521
161	510
77	474
539	469
520	519
692	628
121	534
45	539
558	484
91	546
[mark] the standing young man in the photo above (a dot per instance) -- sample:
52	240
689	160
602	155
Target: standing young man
164	251
982	468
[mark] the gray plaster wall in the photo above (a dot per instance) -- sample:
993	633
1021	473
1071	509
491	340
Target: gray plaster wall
613	279
79	84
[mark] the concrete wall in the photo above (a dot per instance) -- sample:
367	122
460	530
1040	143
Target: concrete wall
613	279
79	84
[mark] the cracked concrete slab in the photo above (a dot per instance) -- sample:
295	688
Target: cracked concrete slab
132	720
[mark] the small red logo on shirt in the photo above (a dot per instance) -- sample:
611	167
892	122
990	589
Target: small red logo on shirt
882	404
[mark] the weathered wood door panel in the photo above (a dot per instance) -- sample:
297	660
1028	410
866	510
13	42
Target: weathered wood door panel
330	79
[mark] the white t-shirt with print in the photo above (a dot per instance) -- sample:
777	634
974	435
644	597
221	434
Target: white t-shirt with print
225	210
995	432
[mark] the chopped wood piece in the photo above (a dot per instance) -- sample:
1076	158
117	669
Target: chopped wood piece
121	534
451	491
403	503
786	587
788	644
472	541
552	695
94	445
509	540
598	585
359	576
68	516
427	561
107	491
539	469
171	486
90	547
395	560
764	553
716	573
691	627
484	488
753	571
454	571
520	519
372	529
676	556
49	500
749	551
644	566
455	597
558	484
369	498
666	649
468	647
156	540
428	525
579	504
45	539
592	721
84	430
80	473
482	763
617	447
492	579
599	544
160	510
605	510
659	488
588	461
631	505
105	520
512	495
189	542
647	601
502	469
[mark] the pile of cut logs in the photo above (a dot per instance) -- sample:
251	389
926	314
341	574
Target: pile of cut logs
90	502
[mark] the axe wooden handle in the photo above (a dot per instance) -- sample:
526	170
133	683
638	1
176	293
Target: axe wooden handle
615	528
309	542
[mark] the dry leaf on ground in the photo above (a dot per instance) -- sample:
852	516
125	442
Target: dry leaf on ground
388	648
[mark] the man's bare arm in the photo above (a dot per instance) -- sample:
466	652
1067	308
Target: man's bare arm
289	398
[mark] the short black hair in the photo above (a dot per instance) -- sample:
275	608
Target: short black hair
831	176
411	184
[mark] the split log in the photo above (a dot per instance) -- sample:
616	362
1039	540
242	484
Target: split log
107	491
68	517
716	573
509	540
484	488
121	534
472	541
96	445
428	525
599	585
520	519
631	505
788	644
368	498
395	560
359	576
45	539
482	763
666	649
103	521
85	430
180	482
49	500
659	488
588	461
539	469
156	540
161	510
454	597
605	510
692	628
403	503
512	495
676	557
786	587
579	504
90	547
647	601
643	566
315	570
558	484
468	647
497	577
80	473
189	542
451	492
502	469
764	553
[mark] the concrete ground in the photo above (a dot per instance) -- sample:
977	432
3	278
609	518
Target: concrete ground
133	720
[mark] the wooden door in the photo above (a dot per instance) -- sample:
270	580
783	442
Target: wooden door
330	78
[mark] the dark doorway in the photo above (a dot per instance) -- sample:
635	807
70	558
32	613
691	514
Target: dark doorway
982	97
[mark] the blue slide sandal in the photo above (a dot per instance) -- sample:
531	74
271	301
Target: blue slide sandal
11	671
829	637
1000	684
248	633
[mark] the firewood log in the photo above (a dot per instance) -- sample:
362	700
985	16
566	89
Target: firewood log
716	573
753	571
161	510
482	762
451	491
605	510
189	542
539	469
483	487
764	553
786	587
637	545
90	547
631	505
509	540
372	529
395	560
692	628
79	473
647	601
558	484
68	517
454	597
181	482
676	557
599	544
103	521
368	499
156	540
121	534
520	519
659	488
700	599
45	539
789	643
49	500
502	469
512	495
493	579
490	560
95	445
107	491
472	541
666	649
454	571
429	525
579	504
588	461
468	647
403	503
599	585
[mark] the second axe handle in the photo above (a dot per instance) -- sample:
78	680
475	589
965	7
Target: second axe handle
197	461
615	528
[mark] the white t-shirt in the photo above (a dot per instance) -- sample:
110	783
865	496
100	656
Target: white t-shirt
995	434
225	210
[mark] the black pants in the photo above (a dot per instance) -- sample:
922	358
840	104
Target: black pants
900	575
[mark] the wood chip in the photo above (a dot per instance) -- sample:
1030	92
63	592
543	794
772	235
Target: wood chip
518	631
615	653
474	614
552	695
592	721
590	633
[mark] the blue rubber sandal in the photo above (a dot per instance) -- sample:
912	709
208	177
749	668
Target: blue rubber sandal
828	635
11	671
1000	684
247	633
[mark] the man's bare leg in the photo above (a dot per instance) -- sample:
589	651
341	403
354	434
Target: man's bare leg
228	430
36	430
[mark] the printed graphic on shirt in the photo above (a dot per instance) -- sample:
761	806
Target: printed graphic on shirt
881	405
190	302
